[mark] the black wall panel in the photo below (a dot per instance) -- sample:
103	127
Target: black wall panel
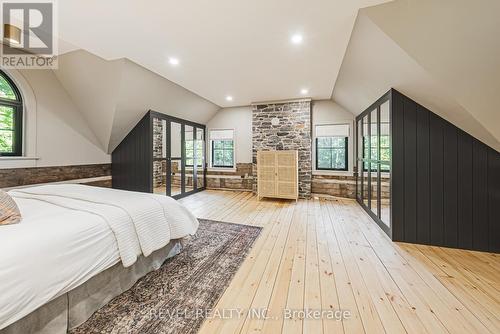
494	200
423	177
465	218
131	161
397	175
450	185
480	238
445	183
410	170
436	151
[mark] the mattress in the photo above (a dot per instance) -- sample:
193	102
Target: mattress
52	251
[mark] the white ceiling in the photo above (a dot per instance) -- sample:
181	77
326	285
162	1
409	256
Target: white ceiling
225	47
374	63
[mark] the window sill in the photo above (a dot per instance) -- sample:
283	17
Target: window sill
221	169
335	173
18	158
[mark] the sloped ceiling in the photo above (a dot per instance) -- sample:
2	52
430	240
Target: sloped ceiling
114	95
225	47
443	54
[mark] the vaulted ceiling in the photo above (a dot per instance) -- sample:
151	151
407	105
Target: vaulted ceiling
224	47
444	54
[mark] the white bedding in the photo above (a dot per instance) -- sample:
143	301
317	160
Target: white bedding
65	238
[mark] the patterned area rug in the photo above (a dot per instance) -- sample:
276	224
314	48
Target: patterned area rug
177	297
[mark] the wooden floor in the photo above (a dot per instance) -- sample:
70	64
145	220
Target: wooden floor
329	255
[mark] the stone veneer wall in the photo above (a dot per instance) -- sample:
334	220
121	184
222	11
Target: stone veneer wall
344	186
292	133
241	179
15	177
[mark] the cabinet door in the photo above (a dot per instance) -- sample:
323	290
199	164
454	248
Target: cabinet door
266	169
287	174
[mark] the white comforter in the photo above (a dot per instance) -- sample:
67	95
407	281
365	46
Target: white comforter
70	233
138	220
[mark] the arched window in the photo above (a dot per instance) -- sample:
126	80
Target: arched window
11	118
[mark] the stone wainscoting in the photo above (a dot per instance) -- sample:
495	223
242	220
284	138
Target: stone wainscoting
344	186
98	175
284	126
241	179
333	185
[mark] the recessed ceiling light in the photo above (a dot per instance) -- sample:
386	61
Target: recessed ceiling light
229	98
304	91
297	39
173	61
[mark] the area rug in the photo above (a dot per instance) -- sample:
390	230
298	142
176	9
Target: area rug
178	297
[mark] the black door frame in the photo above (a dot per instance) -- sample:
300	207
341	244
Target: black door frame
183	122
361	160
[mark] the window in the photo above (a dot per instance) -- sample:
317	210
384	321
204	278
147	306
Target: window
222	148
11	113
332	147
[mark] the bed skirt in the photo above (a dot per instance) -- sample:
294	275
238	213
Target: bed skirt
75	307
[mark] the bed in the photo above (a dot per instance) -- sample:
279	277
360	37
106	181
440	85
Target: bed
77	247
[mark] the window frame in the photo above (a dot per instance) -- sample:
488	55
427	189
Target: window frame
346	149
17	105
212	151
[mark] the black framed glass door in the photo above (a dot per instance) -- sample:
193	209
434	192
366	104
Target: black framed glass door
179	167
374	161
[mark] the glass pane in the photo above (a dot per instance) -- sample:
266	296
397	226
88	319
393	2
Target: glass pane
218	144
338	158
175	155
228	144
218	158
366	154
359	166
228	158
6	118
360	141
359	182
374	189
175	177
6	90
189	153
200	158
385	193
6	141
159	138
175	140
385	133
324	158
365	185
160	177
324	141
374	136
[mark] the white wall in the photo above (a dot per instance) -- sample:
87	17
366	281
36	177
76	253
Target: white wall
55	132
329	112
240	120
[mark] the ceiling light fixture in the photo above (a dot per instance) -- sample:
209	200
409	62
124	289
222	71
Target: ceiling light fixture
304	91
173	61
297	39
229	98
11	34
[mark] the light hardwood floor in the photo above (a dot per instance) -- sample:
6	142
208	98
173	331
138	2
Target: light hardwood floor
328	254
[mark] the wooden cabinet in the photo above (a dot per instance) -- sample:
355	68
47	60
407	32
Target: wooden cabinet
277	174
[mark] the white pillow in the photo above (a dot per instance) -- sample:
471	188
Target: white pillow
9	212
